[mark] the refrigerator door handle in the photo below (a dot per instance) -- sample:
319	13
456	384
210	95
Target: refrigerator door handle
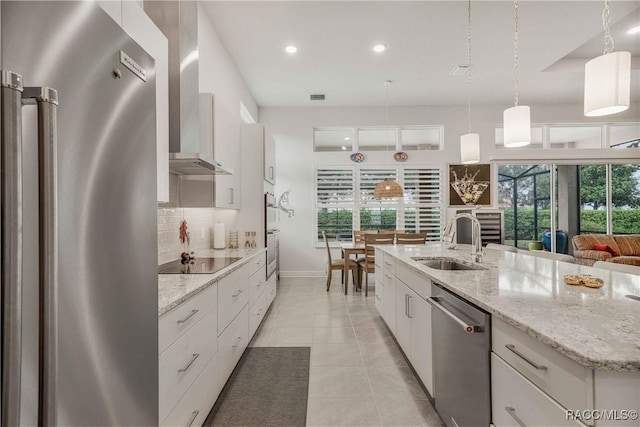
46	100
11	236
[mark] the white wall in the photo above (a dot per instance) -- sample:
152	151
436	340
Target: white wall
292	129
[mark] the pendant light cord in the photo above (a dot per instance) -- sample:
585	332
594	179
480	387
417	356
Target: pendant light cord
606	21
515	52
469	62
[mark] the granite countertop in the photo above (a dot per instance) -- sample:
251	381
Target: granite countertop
597	328
174	289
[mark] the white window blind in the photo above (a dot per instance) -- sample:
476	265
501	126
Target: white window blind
422	202
344	201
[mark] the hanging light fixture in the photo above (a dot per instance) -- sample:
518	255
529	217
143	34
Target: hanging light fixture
607	78
517	119
387	189
469	142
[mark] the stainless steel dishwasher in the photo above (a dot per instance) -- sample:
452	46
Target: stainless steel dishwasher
461	352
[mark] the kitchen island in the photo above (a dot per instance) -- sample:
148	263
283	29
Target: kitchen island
577	348
205	323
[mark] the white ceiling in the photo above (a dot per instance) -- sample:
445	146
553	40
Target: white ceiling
425	40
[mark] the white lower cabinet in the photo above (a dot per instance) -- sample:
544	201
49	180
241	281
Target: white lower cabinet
515	401
379	296
389	302
183	361
413	332
233	342
256	313
195	405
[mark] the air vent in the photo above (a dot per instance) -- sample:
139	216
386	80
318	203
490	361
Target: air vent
459	70
316	97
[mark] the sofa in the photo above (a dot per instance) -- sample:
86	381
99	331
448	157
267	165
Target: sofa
622	249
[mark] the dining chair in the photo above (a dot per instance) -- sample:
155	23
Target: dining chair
411	238
549	255
368	264
339	265
358	235
614	266
503	248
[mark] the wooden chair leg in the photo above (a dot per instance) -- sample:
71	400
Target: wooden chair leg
329	279
366	289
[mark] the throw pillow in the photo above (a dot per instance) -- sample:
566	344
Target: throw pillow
606	248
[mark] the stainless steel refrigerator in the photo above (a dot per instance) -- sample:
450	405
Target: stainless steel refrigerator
79	238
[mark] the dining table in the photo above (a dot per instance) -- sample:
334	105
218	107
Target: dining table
349	249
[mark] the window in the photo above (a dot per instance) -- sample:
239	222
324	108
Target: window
378	138
339	211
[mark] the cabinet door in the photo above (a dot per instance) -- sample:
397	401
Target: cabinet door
403	322
269	160
389	301
421	355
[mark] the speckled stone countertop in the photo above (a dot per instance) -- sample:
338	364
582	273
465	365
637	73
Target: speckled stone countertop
598	328
174	289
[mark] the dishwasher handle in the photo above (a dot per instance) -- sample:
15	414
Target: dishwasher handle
470	329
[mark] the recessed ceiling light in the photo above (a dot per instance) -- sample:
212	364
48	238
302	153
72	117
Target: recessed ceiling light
344	147
634	30
291	49
346	138
379	48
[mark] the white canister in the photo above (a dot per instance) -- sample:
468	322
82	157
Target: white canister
218	235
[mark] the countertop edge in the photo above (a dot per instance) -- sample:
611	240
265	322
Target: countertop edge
586	361
212	281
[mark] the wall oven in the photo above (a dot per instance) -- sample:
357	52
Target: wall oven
271	213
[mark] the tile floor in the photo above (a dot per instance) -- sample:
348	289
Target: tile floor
358	376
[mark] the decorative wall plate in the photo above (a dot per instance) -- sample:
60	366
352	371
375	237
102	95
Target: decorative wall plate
400	156
357	157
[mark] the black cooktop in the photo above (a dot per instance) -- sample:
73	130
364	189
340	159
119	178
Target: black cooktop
196	265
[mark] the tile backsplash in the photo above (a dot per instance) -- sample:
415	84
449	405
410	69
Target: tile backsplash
200	224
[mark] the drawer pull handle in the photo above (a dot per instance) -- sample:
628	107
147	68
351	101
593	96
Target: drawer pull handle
193	313
236	294
193	359
194	415
259	312
512	348
378	297
387	276
235	346
512	411
259	284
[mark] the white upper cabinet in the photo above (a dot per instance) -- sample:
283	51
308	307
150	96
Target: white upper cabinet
269	145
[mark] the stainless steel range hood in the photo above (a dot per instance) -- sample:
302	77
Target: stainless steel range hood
188	153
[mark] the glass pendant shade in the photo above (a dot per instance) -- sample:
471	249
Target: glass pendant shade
388	189
470	148
607	84
517	126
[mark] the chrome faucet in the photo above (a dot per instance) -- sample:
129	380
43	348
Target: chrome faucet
476	250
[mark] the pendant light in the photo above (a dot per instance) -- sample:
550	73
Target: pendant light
387	189
517	119
469	142
607	78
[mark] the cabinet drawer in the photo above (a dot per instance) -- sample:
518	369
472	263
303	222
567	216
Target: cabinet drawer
389	264
563	379
179	320
378	260
196	403
257	284
388	278
257	263
183	361
513	396
256	314
419	283
271	292
233	342
233	295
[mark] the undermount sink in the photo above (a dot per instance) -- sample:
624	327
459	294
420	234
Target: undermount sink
451	264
